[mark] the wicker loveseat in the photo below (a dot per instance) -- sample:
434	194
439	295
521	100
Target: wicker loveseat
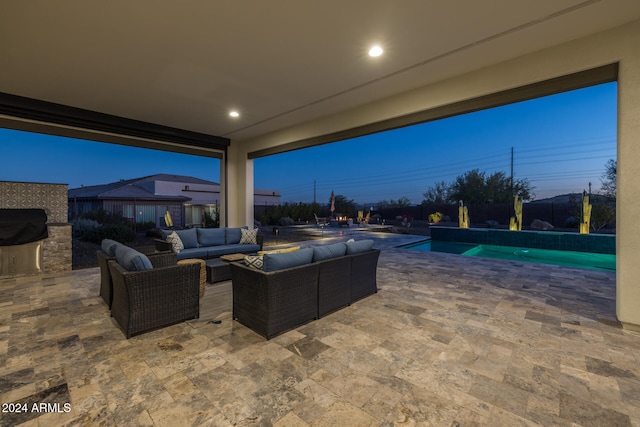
151	292
207	243
272	302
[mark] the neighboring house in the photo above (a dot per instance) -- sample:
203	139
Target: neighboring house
147	199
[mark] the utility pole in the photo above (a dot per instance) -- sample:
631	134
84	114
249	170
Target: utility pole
314	191
511	184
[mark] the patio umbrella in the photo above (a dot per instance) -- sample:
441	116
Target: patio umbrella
333	203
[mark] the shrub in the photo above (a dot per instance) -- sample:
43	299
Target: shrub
104	217
571	222
284	221
154	232
144	226
436	217
303	211
81	226
211	221
118	232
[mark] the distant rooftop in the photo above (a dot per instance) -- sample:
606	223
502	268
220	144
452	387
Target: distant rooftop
132	188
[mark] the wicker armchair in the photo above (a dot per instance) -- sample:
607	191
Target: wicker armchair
274	302
163	259
152	299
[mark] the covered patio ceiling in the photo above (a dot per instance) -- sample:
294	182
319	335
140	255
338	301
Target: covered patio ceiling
186	65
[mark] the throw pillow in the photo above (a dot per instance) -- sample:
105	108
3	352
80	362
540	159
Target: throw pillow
249	237
176	242
280	251
253	261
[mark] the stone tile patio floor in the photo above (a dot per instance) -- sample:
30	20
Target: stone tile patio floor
447	341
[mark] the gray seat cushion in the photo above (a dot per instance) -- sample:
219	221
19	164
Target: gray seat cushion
211	236
132	260
189	238
320	253
274	262
233	235
216	251
192	253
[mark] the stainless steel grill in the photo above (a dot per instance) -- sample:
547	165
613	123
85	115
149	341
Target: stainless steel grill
22	233
21	259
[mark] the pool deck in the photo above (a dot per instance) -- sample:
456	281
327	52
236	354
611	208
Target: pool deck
447	340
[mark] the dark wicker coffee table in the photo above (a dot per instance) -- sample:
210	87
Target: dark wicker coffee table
217	270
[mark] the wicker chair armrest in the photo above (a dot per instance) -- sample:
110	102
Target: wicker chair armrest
106	284
177	274
146	250
162	245
164	259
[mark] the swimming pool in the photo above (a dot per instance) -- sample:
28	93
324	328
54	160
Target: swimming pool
575	259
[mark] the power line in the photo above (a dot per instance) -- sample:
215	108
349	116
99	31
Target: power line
415	180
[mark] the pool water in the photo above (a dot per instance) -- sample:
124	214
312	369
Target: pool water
588	260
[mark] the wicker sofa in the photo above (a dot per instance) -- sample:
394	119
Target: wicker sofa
207	243
272	302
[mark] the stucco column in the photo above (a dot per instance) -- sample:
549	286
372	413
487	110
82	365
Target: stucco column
628	190
240	187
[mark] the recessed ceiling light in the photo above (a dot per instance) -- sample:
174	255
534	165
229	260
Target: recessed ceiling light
234	114
375	51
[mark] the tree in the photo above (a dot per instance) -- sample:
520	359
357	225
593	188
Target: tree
437	193
608	179
602	215
498	188
524	190
474	187
402	202
343	205
469	187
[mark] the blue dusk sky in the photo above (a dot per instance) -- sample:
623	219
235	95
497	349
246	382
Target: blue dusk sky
561	143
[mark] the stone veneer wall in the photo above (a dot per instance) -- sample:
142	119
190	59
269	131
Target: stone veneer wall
56	251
